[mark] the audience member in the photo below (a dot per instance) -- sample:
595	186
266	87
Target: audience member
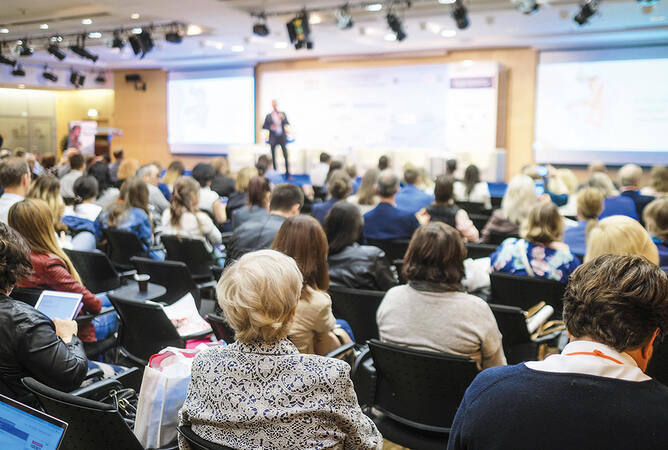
410	198
444	209
286	201
52	269
264	162
209	201
658	179
313	327
384	163
126	170
351	170
114	166
518	200
319	172
48	163
76	170
64	164
47	188
222	183
656	221
100	170
629	186
386	221
31	345
15	179
565	183
471	189
81	217
338	188
433	312
259	296
350	264
334	165
451	167
366	197
613	203
589	207
174	170
238	198
183	217
620	235
540	253
150	174
615	309
259	192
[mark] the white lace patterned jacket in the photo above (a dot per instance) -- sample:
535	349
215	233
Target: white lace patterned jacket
269	396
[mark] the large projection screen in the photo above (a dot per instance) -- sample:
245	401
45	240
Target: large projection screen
609	105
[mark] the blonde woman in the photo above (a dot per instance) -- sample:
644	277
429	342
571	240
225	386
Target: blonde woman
656	222
620	235
518	200
47	188
540	252
565	182
589	205
366	197
238	199
260	392
658	182
174	170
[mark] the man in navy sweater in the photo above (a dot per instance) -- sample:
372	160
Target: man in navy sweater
595	394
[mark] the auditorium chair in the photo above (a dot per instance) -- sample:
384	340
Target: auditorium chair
474	208
357	307
394	248
96	270
476	251
414	394
191	251
496	238
197	443
123	245
221	329
524	291
479	220
26	295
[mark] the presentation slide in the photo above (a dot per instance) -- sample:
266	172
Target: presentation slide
613	110
207	112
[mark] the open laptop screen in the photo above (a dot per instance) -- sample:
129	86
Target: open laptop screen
22	427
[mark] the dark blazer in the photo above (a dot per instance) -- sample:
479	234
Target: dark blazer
254	235
222	185
235	201
29	347
268	124
362	267
320	210
640	201
386	222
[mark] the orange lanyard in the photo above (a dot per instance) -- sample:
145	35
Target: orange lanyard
598	353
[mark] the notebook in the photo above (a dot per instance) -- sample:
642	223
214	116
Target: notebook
22	427
60	305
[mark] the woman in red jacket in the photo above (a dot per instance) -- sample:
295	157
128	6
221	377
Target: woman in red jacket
52	268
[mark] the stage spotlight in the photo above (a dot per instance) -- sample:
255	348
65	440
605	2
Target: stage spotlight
56	51
146	42
101	78
18	71
5	60
587	9
77	79
526	6
174	35
460	14
49	75
395	25
80	49
23	48
300	32
260	27
135	44
117	41
343	18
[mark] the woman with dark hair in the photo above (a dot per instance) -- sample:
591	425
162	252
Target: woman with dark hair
471	189
350	264
339	187
259	192
314	328
81	218
432	312
444	209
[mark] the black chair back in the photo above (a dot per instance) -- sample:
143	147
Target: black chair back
658	365
91	424
193	252
479	250
479	220
496	202
473	207
524	291
496	238
358	307
394	249
26	295
145	329
123	245
517	344
95	269
417	388
198	443
173	275
220	327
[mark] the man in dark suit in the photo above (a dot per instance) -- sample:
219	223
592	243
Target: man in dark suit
629	182
275	122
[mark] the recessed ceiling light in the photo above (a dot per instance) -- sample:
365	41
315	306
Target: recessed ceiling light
95	35
44	26
86	21
374	7
215	44
657	18
314	19
390	37
280	44
433	27
446	2
237	48
448	33
193	30
134	16
21	86
136	30
4	30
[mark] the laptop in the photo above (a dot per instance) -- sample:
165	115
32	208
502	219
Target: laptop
60	305
22	427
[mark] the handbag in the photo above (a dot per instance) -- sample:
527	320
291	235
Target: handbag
125	401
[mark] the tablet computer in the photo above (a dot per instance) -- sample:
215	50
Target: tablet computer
59	305
22	427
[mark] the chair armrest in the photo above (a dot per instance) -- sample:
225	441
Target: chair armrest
93	373
197	335
128	273
207	284
340	350
87	317
98	389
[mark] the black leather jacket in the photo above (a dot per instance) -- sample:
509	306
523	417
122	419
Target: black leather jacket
362	267
29	347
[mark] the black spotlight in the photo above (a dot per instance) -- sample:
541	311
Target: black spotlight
101	78
5	60
261	29
77	79
343	18
117	41
300	32
80	49
460	14
587	9
23	48
56	51
527	7
18	71
174	34
146	42
135	44
395	25
49	75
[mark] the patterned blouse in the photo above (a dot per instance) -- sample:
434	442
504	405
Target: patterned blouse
269	396
545	262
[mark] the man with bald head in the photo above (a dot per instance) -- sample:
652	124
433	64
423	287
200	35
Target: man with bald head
629	186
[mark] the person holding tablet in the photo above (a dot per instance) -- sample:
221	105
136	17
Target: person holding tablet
31	345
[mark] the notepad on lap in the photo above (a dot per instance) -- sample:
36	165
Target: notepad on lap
59	305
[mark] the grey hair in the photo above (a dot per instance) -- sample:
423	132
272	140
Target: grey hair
387	184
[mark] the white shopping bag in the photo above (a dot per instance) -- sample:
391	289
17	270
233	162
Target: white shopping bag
163	391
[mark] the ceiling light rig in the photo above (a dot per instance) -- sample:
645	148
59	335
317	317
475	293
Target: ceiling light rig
49	75
6	59
527	7
80	49
299	31
260	27
19	71
460	14
587	9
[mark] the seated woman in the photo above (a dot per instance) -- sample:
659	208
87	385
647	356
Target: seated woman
314	327
238	198
31	345
589	206
174	171
471	189
656	221
259	192
444	209
620	235
432	312
209	201
366	197
519	198
47	188
52	268
539	253
350	264
130	212
81	218
260	392
183	218
339	187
